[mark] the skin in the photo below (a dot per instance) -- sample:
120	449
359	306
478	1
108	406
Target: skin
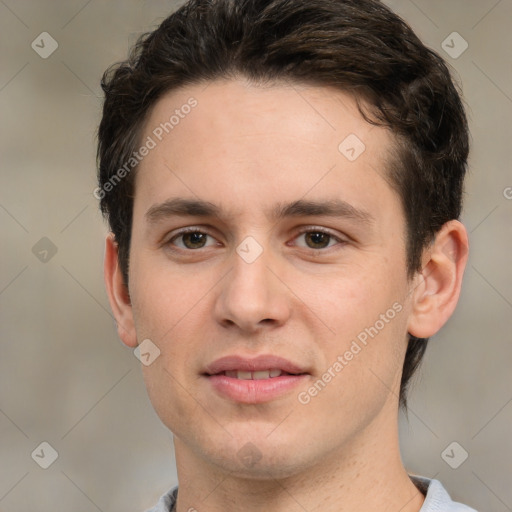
246	148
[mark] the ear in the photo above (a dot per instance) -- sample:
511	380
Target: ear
437	287
118	295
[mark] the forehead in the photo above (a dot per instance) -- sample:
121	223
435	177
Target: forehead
320	115
230	140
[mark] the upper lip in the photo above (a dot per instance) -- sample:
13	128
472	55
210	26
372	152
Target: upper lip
252	364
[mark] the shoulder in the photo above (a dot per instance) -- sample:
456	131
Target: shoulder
167	502
437	498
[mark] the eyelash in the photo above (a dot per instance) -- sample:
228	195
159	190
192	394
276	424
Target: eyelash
302	232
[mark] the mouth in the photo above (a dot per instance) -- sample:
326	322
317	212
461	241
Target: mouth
257	375
254	380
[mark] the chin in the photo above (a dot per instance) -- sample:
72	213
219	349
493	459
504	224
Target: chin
257	458
265	467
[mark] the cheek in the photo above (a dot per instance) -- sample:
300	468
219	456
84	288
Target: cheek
348	302
367	320
170	318
169	311
162	299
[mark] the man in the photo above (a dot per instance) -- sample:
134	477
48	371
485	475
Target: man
283	182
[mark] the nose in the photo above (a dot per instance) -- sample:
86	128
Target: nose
254	295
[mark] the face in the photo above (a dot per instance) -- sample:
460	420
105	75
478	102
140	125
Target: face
266	237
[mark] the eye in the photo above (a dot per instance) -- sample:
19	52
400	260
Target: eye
318	238
192	238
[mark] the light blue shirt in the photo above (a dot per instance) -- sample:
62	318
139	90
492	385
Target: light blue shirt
436	498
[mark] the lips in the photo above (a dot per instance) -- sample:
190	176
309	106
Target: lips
259	375
255	366
254	380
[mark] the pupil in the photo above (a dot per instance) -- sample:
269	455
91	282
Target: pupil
318	237
195	238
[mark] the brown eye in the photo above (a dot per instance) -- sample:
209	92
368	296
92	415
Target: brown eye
192	239
317	239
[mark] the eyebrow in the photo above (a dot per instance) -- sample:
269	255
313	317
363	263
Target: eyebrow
301	208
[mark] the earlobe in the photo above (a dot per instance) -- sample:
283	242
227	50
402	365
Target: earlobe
436	290
118	295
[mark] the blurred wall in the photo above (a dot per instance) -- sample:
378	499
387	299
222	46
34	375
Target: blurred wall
65	378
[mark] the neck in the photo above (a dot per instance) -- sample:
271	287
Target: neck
363	474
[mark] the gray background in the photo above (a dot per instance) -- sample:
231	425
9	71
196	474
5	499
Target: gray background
66	379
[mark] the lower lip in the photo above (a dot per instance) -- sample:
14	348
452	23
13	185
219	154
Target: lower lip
254	391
